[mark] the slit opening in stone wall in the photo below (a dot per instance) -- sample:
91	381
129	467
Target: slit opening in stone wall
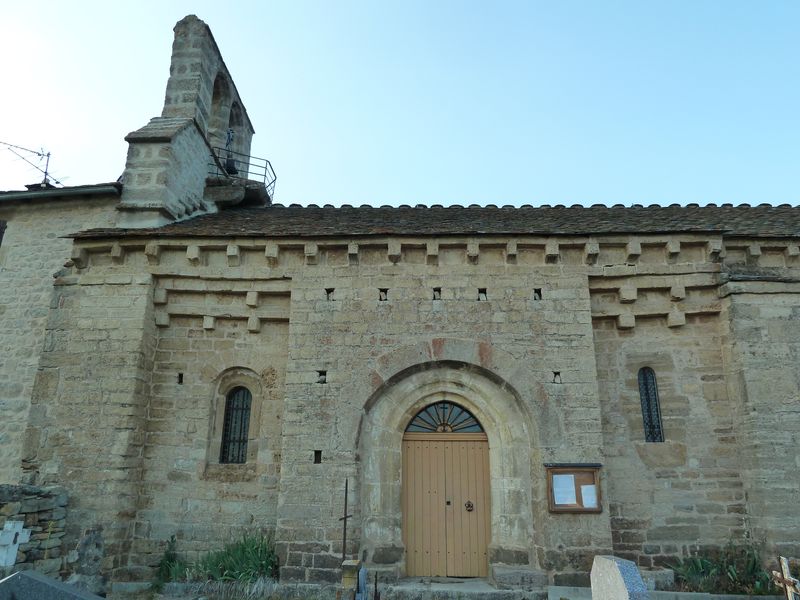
437	293
383	294
322	377
329	294
317	457
556	376
482	296
537	293
180	378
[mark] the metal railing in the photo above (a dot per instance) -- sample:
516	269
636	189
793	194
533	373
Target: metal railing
227	164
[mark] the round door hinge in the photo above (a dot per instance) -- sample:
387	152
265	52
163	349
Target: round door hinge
469	506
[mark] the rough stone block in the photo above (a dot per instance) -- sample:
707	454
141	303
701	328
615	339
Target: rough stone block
616	579
627	294
626	321
30	585
518	578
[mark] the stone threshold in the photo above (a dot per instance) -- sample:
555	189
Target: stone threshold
555	592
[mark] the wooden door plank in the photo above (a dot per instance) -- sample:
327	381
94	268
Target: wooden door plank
482	461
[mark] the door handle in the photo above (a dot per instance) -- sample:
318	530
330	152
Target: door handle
469	506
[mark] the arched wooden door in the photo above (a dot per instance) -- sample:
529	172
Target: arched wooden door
445	493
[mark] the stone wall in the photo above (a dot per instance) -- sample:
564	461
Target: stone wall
724	353
341	341
207	343
32	250
762	350
90	401
42	511
165	173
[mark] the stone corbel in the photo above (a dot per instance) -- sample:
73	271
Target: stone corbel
432	253
311	252
473	250
591	252
394	251
193	254
633	250
234	258
152	251
551	251
271	254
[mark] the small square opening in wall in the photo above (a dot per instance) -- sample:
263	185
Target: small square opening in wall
537	293
482	295
317	457
322	377
383	294
556	376
329	294
180	378
437	293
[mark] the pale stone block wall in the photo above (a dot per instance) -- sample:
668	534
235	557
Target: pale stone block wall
165	173
764	377
363	343
86	428
185	491
669	498
32	250
273	314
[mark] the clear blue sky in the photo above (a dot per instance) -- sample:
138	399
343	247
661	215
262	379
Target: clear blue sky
435	101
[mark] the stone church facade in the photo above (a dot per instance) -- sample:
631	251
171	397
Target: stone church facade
187	358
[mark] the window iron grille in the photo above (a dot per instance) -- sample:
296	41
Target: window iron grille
444	417
651	411
236	426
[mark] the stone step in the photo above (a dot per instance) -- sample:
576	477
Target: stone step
453	589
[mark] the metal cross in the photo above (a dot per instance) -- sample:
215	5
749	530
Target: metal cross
344	521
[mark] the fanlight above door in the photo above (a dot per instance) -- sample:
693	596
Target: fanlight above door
444	417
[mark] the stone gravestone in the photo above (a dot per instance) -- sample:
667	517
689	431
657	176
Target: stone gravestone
30	585
11	536
616	579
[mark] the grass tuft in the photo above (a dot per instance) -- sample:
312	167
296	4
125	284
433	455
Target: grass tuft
736	569
250	560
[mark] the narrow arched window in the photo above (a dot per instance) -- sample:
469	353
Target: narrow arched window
651	412
236	426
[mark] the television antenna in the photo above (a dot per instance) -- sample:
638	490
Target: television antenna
41	154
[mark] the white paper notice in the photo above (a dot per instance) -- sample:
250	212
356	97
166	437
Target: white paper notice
564	489
589	495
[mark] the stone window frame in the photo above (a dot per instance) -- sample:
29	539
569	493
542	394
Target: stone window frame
226	383
651	408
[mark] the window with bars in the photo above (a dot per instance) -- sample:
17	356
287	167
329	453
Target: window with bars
444	417
651	411
236	426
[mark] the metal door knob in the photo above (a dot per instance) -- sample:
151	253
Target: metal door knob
469	506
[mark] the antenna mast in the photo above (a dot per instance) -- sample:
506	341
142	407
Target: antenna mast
41	154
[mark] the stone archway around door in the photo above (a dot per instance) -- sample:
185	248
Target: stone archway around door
495	404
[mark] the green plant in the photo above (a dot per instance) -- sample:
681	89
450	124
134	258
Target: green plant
736	569
170	567
248	559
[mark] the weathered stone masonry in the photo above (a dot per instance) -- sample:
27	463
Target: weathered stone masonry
270	313
122	344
